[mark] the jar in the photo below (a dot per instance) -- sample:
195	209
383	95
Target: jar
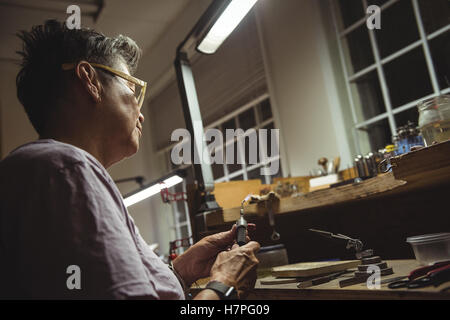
434	119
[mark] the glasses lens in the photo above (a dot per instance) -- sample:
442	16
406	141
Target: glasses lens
137	91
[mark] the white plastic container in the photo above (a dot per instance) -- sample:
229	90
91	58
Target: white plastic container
431	248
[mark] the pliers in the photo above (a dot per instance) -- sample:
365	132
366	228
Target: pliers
435	274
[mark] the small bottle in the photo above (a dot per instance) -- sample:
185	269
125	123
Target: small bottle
434	119
389	152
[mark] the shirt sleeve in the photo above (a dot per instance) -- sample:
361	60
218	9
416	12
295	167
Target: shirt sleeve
85	227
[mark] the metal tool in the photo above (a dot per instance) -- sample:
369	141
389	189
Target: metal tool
275	235
425	276
351	243
321	280
386	281
241	225
323	162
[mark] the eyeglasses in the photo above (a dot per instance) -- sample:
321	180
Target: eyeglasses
136	85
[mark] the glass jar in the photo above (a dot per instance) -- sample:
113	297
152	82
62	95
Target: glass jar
434	119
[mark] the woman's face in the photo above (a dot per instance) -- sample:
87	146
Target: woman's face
121	116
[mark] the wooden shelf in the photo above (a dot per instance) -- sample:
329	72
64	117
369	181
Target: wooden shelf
331	290
422	168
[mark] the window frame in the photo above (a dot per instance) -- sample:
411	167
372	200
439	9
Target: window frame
378	64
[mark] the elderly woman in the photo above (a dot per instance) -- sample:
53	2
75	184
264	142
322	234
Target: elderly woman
60	208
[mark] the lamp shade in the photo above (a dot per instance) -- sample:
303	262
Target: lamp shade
151	190
224	25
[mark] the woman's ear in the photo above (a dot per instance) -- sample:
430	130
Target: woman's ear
89	80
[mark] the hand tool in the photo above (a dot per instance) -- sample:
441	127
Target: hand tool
386	281
241	224
351	243
275	235
323	162
435	274
321	280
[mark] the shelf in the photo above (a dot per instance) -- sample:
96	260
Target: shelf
422	168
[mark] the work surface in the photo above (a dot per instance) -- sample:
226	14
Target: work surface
331	290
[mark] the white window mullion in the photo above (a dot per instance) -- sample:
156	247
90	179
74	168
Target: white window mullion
372	120
363	20
186	209
384	87
426	48
240	149
438	32
175	221
346	76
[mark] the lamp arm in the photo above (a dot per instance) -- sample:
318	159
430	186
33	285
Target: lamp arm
194	123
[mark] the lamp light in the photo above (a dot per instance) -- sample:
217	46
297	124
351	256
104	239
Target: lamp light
230	18
153	188
211	30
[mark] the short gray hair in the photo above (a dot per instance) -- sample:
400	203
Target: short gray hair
46	47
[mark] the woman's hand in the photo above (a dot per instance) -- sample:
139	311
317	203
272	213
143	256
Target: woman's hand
197	261
237	267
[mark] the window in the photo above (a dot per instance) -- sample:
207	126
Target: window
257	115
390	70
181	225
254	115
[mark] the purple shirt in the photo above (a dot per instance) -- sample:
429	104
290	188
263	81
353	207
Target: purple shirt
59	207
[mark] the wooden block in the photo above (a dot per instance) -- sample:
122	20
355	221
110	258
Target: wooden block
308	269
371	260
361	277
275	281
383	272
425	166
302	183
369	187
230	194
364	268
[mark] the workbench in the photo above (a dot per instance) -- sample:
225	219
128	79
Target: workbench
332	291
382	212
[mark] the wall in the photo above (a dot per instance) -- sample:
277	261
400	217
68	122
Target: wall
15	127
302	83
17	130
151	216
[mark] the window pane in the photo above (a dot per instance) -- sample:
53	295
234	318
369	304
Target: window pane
238	178
351	11
217	170
411	114
265	110
440	52
359	49
279	174
255	174
234	166
184	233
407	78
230	124
247	119
398	28
376	2
271	152
180	209
368	93
435	14
375	136
254	149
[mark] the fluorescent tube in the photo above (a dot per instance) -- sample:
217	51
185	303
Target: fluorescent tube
225	24
152	190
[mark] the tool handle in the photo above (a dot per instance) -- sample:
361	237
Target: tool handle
241	235
241	232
